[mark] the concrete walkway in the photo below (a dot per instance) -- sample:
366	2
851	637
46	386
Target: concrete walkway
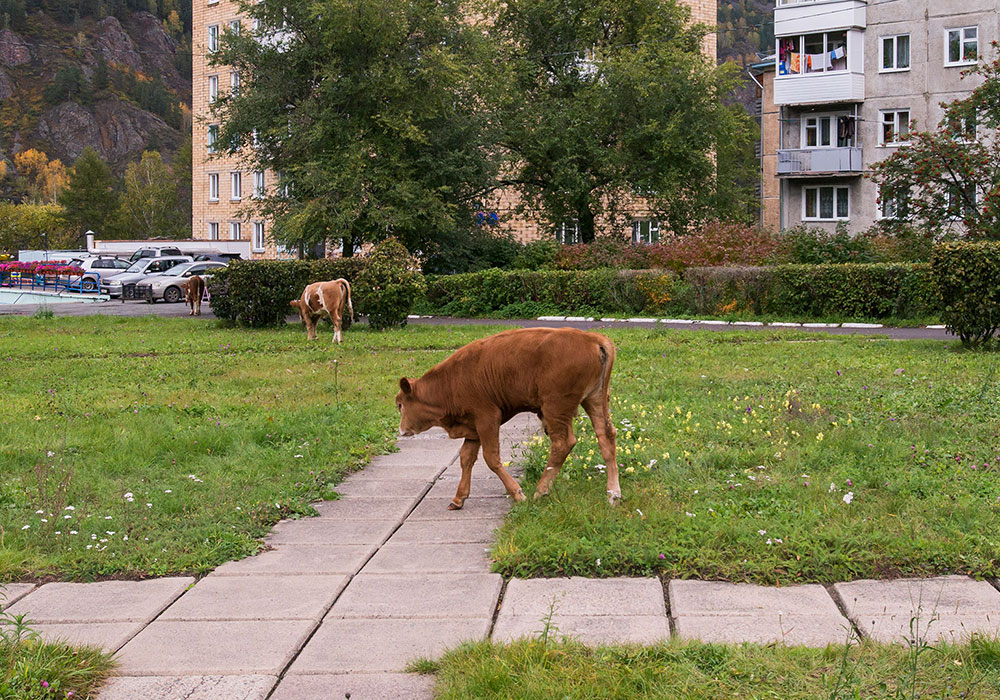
341	603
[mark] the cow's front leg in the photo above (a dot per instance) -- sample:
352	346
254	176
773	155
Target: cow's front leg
467	457
489	436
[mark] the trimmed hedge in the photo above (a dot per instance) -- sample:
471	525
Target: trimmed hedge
968	276
256	293
810	291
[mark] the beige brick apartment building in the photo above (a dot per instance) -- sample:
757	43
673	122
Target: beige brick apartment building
223	190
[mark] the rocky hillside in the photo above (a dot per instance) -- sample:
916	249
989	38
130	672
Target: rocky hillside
119	83
746	29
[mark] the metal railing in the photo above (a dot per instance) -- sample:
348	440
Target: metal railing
820	160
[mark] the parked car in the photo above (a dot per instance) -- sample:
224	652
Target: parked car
139	270
168	285
215	256
154	252
97	268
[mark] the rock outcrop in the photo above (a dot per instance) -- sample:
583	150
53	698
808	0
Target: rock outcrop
116	45
14	51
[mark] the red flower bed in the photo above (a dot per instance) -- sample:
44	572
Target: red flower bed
41	267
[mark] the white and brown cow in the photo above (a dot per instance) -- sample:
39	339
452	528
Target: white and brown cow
328	299
548	371
194	290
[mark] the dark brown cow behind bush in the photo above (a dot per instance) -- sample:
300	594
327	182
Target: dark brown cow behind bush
325	299
550	372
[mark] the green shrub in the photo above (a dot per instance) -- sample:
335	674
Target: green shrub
537	255
389	285
967	277
817	246
256	293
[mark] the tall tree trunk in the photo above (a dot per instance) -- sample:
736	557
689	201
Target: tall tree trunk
348	246
585	221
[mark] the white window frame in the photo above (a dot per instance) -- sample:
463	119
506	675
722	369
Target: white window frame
961	46
895	68
235	231
258	184
213	230
967	135
836	189
259	241
883	113
213	88
652	228
234	82
235	186
888	210
213	187
212	44
254	139
568	232
234	27
212	138
960	215
800	40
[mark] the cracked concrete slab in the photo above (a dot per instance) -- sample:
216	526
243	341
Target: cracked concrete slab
394	558
302	560
945	608
104	601
419	596
257	598
166	648
322	531
367	645
249	687
363	686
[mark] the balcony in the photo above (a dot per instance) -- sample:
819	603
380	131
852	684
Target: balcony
807	162
808	16
819	88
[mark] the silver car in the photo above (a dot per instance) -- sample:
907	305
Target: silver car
140	270
168	285
96	268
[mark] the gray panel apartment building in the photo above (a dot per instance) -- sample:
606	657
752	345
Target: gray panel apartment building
849	79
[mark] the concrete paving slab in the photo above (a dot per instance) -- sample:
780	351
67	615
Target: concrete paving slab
614	597
110	636
447	485
167	648
302	560
359	486
187	688
366	508
380	470
947	608
419	596
480	472
446	531
104	601
429	455
365	645
430	559
491	507
363	686
10	593
326	531
591	630
720	598
258	598
792	629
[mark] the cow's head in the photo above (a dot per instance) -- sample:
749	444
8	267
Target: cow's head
415	415
294	302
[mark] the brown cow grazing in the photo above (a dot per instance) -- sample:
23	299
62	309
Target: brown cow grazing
194	290
548	371
325	299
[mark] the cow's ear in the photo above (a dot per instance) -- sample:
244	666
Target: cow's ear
405	386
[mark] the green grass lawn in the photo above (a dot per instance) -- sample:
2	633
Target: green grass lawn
778	458
532	670
149	446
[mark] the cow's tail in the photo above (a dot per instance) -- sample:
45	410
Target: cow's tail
347	291
607	352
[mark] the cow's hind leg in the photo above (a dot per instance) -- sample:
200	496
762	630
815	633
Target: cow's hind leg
561	435
311	327
467	457
597	408
489	437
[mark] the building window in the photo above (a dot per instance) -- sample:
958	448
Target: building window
256	24
213	88
961	46
234	27
645	231
895	127
213	230
234	82
213	38
234	231
812	53
235	186
893	207
826	203
895	53
258	236
258	185
828	131
568	232
212	138
962	201
255	139
962	128
213	187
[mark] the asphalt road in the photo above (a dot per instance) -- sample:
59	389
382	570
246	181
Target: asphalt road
141	308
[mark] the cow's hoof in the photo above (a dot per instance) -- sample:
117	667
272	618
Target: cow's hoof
519	497
614	497
455	506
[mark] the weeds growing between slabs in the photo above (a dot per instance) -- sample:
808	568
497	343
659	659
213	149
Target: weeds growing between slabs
777	458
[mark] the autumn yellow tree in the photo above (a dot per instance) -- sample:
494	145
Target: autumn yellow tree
43	178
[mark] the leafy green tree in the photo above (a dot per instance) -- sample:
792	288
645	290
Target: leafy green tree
949	178
182	169
371	113
607	104
89	199
33	226
68	83
148	205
